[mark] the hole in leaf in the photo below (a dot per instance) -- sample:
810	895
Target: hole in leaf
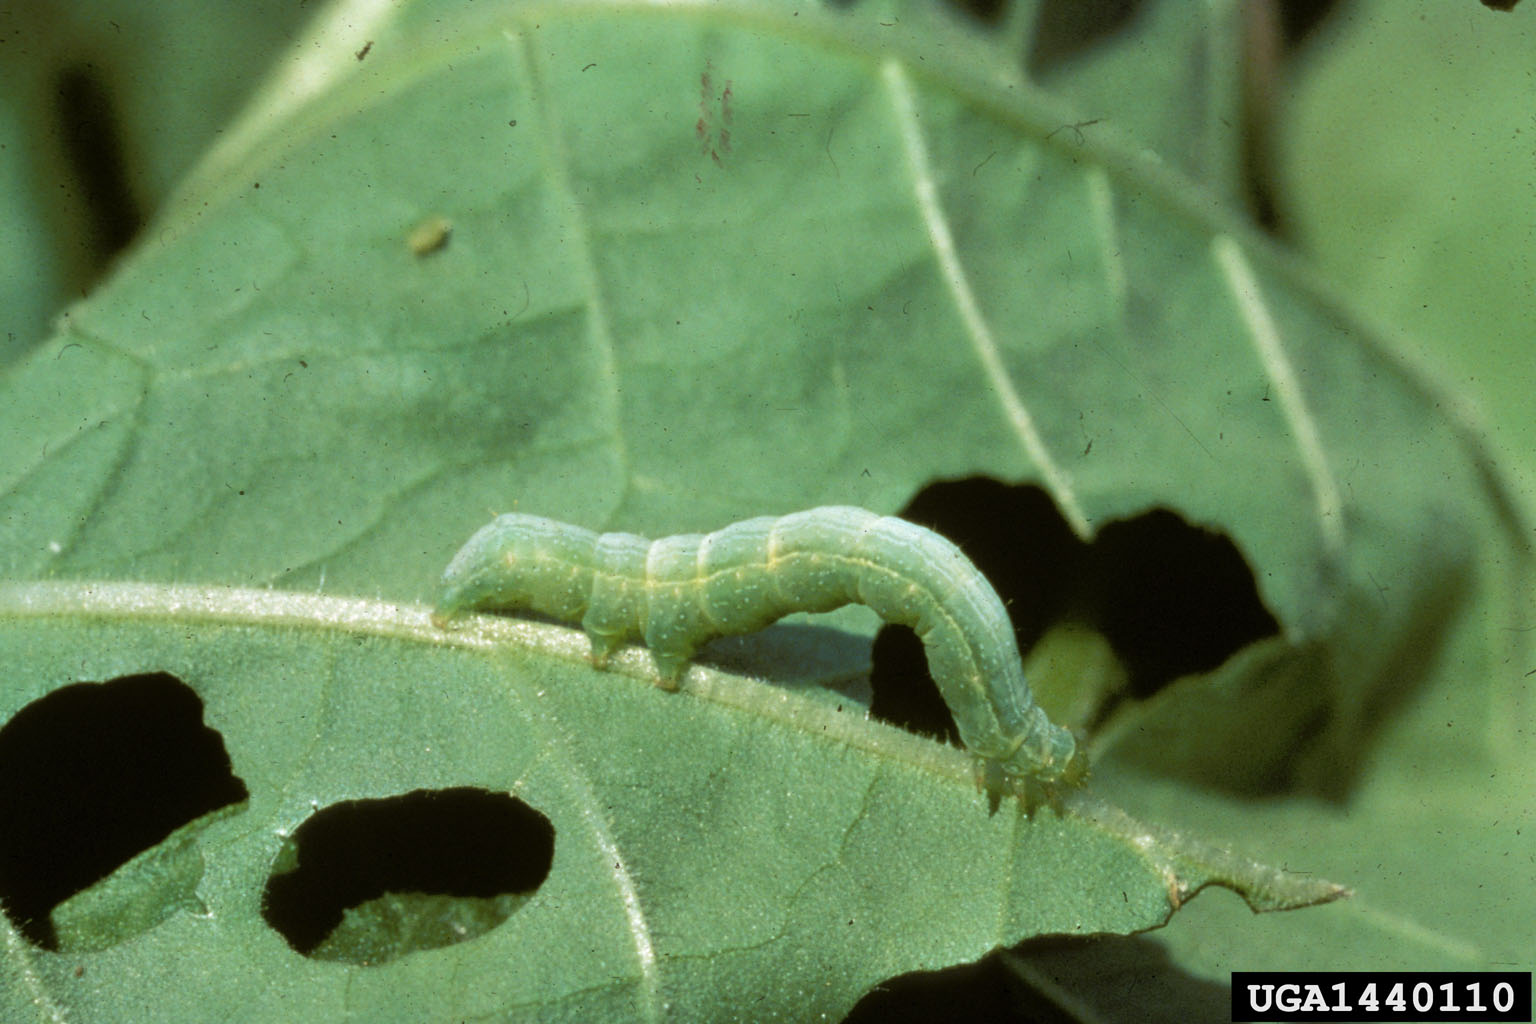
367	881
92	775
1151	599
1173	599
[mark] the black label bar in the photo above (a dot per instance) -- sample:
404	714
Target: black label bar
1381	995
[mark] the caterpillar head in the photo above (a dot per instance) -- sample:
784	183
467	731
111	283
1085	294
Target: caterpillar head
1033	780
1069	758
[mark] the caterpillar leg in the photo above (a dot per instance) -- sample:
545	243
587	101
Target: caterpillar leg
997	783
669	669
603	647
444	616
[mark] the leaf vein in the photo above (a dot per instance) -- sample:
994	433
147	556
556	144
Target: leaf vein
958	281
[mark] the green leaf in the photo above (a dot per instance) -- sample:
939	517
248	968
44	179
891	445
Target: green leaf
863	832
1169	79
157	883
104	105
390	926
1430	115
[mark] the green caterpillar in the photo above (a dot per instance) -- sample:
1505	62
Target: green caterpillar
678	593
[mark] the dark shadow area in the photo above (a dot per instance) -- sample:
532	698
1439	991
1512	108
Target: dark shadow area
1066	28
1121	976
904	691
795	656
1273	32
985	12
982	991
1425	622
1301	20
93	774
1051	981
464	843
91	139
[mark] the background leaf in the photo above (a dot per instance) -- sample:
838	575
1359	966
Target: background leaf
792	258
103	107
1431	115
